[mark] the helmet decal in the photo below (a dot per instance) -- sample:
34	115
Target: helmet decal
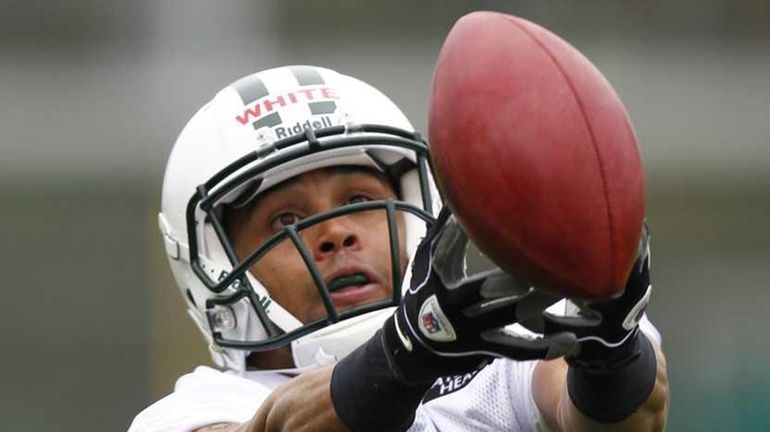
262	107
307	76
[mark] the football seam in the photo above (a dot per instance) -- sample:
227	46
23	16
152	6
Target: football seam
590	132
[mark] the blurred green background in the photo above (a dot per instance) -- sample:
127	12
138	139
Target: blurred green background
92	95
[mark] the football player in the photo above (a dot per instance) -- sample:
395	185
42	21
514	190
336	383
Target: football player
296	205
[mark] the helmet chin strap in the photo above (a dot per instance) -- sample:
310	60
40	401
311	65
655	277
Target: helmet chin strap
332	343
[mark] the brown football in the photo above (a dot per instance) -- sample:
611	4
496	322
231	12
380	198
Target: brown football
536	156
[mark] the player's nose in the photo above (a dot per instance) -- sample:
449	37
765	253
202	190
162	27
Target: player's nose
335	235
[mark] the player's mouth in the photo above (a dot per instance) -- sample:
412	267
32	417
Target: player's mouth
347	281
351	287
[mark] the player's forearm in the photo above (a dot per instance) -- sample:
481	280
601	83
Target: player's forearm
302	404
650	416
549	386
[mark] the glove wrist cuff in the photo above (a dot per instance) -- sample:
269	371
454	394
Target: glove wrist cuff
367	392
611	392
596	354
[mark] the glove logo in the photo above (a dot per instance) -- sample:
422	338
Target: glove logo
430	323
433	323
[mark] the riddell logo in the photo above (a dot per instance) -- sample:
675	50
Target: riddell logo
298	127
270	104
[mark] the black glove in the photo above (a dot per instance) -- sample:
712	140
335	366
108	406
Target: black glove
450	323
614	371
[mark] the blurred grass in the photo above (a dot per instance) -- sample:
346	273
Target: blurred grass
75	317
710	271
710	215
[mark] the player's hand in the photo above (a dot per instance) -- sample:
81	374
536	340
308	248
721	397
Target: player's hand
448	323
445	324
616	369
606	330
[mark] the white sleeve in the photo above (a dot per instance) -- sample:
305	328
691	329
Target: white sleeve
498	398
204	397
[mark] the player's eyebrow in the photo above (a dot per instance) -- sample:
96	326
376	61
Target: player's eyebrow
287	184
342	169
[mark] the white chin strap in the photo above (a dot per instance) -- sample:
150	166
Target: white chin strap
334	342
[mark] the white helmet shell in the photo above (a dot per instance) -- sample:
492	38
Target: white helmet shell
257	132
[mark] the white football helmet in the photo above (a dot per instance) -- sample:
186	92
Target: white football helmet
257	132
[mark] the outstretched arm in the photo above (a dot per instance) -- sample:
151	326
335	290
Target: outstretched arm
549	386
617	381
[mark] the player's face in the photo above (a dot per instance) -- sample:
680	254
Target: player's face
352	251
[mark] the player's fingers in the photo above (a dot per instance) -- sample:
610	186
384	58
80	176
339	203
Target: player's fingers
523	348
498	296
587	321
530	310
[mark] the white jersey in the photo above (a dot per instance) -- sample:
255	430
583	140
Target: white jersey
208	396
496	398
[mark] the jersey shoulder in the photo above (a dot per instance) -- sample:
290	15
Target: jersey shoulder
207	396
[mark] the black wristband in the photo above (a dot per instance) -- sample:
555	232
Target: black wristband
368	396
611	394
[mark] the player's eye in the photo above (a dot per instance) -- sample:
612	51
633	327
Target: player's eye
283	220
359	198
